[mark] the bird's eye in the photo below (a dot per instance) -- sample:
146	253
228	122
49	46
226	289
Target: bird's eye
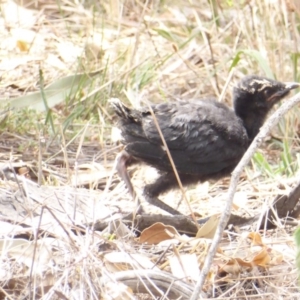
268	92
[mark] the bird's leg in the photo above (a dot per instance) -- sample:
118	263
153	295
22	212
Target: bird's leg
122	160
162	184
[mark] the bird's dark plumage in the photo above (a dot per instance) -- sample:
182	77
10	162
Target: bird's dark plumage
205	138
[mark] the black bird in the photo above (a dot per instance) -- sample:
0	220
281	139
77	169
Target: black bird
206	139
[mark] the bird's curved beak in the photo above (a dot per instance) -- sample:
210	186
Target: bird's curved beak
288	86
291	85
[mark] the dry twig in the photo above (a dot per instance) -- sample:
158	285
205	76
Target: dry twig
265	130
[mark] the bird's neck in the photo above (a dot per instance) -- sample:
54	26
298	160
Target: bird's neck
252	122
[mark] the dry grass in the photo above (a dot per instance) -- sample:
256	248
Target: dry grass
153	50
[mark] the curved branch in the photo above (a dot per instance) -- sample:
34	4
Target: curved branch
264	131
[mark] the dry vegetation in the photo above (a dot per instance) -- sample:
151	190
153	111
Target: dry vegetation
57	146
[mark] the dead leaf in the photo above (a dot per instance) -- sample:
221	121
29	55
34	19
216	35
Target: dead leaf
185	265
255	239
209	228
277	259
24	171
7	229
22	46
262	259
244	263
231	266
121	261
157	233
23	251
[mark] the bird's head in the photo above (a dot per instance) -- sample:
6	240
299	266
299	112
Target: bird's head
259	94
253	98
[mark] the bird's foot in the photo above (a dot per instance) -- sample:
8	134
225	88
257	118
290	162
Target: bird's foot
160	204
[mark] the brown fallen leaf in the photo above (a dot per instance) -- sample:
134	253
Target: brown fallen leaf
262	259
231	266
121	261
157	233
255	239
209	228
244	263
23	46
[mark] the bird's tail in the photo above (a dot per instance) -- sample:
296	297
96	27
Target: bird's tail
120	108
125	113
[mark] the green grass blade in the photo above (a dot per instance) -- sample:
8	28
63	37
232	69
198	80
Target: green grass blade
55	93
49	117
254	54
262	163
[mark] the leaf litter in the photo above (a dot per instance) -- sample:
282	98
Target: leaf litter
51	204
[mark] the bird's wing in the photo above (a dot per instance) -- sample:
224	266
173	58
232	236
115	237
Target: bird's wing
202	138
